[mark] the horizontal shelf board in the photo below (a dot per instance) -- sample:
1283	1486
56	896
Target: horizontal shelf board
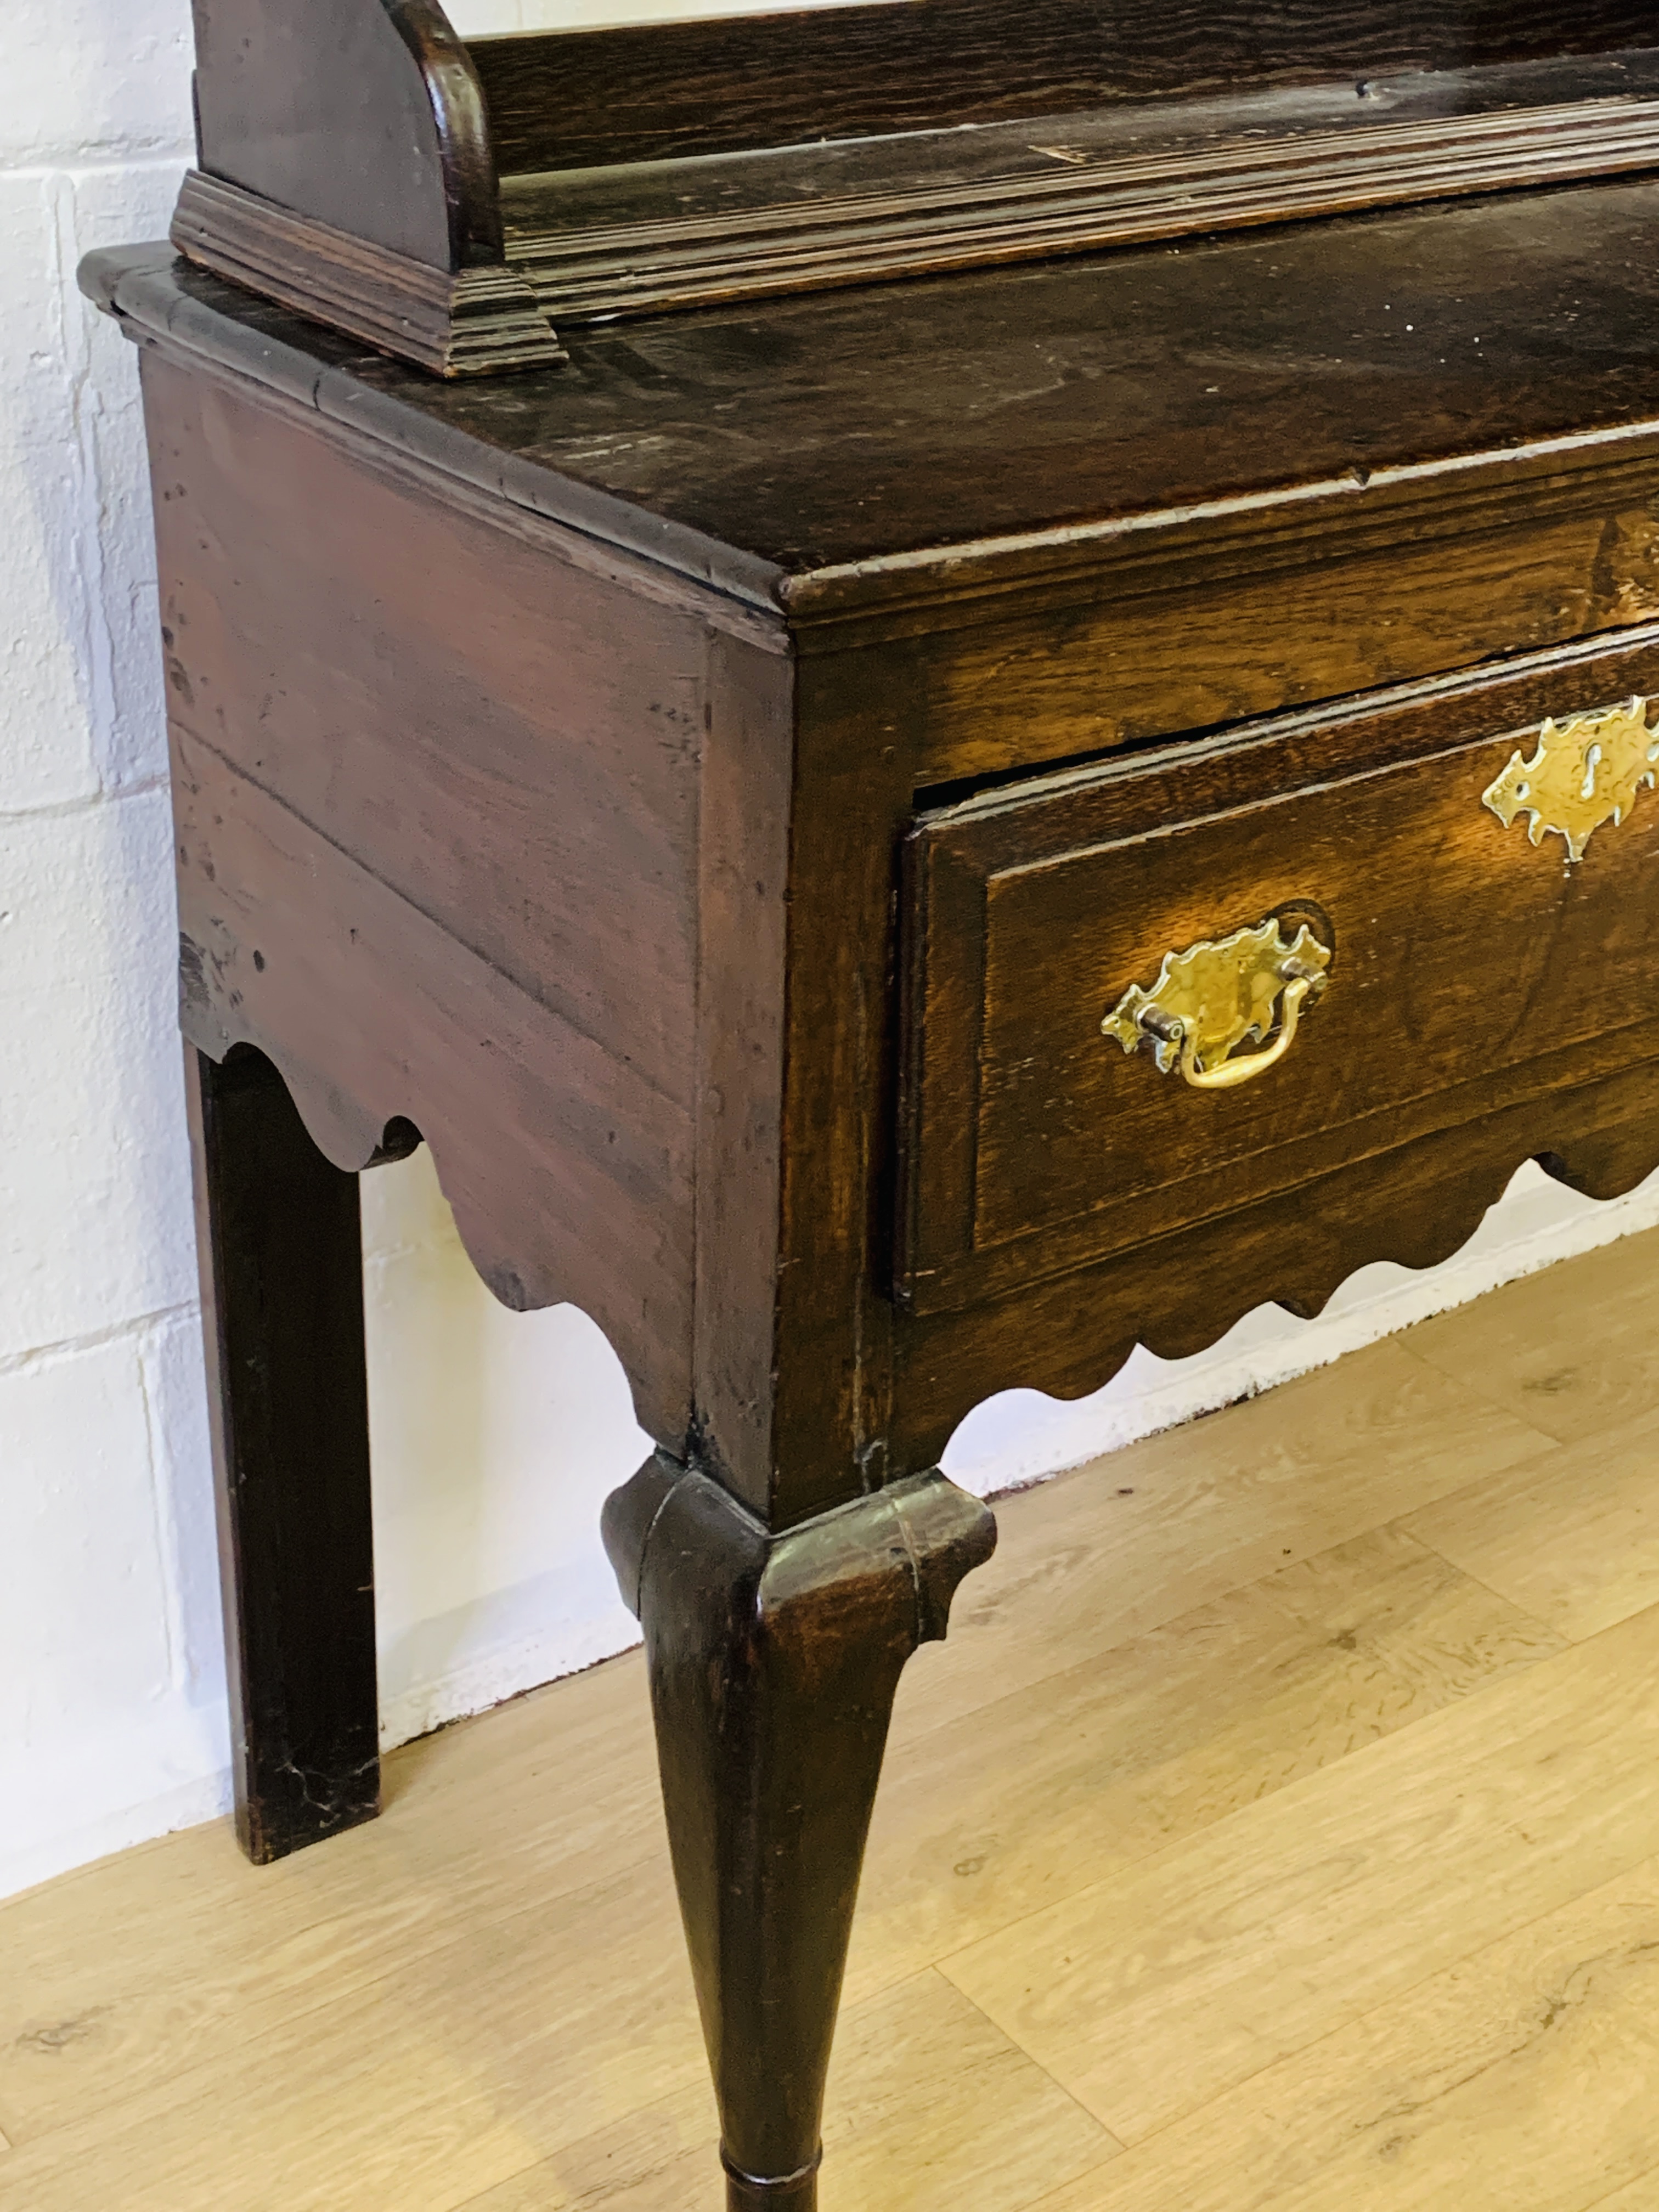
662	235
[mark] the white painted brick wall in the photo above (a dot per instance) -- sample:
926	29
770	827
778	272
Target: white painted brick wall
496	1435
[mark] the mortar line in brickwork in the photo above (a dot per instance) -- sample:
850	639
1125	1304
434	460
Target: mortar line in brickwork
17	1362
61	810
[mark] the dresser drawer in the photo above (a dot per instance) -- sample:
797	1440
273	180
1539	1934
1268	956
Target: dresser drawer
1319	937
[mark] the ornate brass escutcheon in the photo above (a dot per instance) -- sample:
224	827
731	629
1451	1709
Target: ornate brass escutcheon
1209	999
1586	771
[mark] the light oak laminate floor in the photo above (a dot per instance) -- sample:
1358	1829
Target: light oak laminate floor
1279	1828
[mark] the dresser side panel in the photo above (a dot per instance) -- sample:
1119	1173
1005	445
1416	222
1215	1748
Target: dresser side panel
451	779
508	740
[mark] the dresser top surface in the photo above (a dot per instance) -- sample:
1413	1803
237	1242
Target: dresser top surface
823	432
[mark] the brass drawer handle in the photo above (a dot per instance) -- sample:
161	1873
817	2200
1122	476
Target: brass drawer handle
1586	771
1212	997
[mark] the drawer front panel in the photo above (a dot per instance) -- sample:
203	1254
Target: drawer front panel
1468	967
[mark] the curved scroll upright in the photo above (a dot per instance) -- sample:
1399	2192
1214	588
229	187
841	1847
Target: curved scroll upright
347	169
366	114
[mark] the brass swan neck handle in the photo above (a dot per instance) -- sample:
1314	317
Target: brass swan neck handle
1210	997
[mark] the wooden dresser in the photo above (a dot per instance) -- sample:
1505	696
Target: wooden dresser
896	838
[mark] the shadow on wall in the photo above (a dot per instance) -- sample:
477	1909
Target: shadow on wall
496	1437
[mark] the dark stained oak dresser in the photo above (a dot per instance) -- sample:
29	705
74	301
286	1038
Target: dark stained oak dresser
938	688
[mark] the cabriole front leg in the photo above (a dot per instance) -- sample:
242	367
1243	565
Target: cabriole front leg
773	1661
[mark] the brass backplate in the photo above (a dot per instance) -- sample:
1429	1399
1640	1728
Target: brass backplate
1585	772
1209	999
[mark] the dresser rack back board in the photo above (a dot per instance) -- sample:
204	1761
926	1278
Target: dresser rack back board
451	201
658	92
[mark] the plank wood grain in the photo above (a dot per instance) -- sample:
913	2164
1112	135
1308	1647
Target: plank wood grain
1083	1569
1153	1993
459	767
1572	1351
465	2061
1148	1744
1331	1455
1573	1539
464	2074
1641	2195
1519	2081
918	2074
922	2066
94	2016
